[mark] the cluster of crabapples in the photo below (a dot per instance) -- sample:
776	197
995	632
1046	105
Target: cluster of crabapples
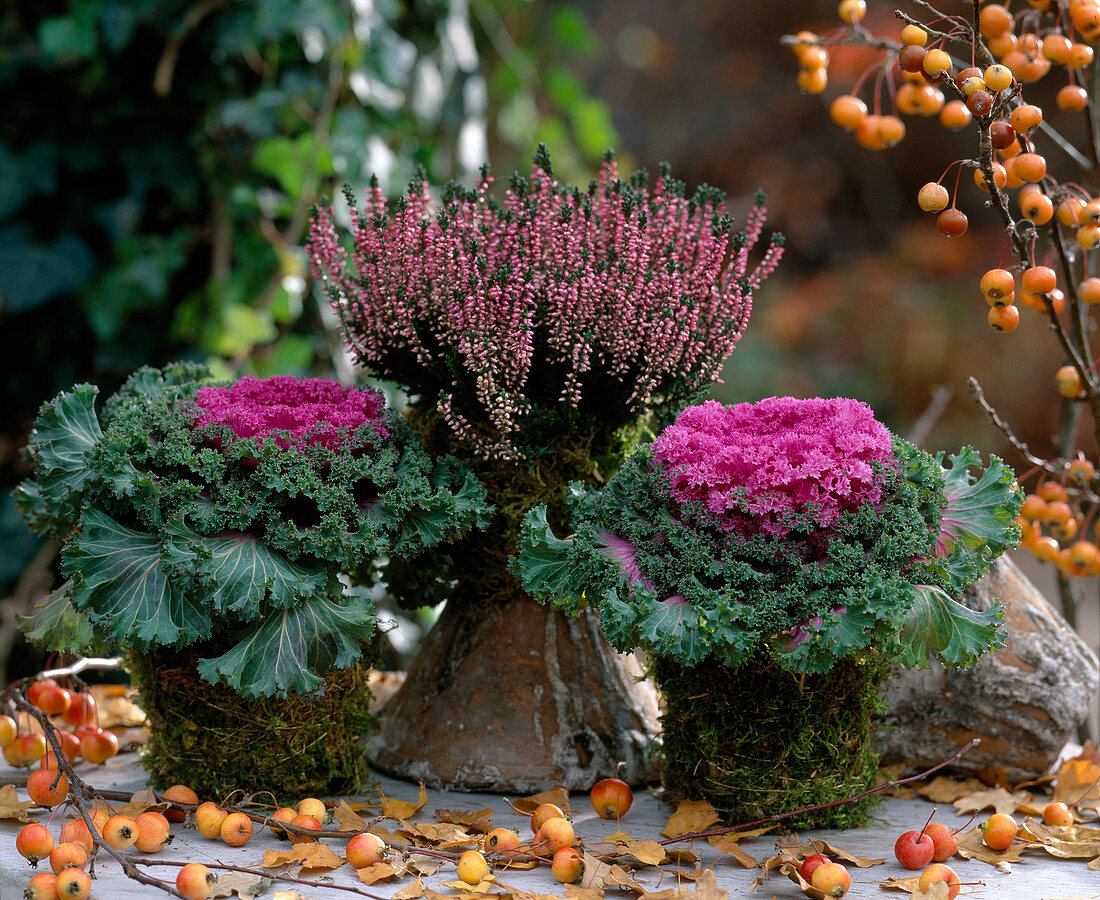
1052	529
923	80
75	714
553	836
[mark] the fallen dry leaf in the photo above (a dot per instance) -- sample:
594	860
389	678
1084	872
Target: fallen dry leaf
690	816
468	894
410	891
245	886
998	799
1077	783
945	789
727	844
479	820
790	869
649	853
419	864
11	807
579	892
347	819
598	874
834	852
310	856
682	856
911	886
518	894
140	801
116	708
482	887
443	834
380	871
1064	841
971	846
559	796
706	888
402	810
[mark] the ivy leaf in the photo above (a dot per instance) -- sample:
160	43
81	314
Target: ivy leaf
979	513
66	429
243	572
543	562
292	648
936	624
58	625
122	582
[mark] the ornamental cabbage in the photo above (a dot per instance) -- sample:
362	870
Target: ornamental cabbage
798	527
228	517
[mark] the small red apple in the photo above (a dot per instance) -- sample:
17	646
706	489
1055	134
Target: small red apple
611	797
914	849
943	840
811	863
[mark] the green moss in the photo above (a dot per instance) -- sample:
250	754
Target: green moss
214	740
758	740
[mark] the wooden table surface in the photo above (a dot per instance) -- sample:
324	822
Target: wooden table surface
1037	877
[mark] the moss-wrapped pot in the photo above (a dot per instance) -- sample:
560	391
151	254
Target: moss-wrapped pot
215	740
758	740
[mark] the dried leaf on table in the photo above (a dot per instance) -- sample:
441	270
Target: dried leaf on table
410	891
971	846
944	789
579	892
402	810
690	816
1064	841
310	856
442	833
598	874
1077	783
728	844
471	893
140	801
479	820
648	853
380	871
706	888
997	799
116	708
559	796
11	807
240	884
482	887
683	856
419	864
836	853
347	818
911	886
518	894
790	869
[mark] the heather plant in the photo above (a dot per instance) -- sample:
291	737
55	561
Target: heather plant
798	528
227	517
552	306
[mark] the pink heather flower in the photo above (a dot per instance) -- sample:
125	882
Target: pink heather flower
315	408
549	291
753	466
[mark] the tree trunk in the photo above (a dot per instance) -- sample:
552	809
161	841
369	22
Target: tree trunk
516	696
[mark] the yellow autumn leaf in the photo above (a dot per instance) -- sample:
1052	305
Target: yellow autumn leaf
11	807
690	816
402	810
380	871
311	856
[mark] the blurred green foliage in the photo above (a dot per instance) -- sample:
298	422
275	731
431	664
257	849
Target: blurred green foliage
159	158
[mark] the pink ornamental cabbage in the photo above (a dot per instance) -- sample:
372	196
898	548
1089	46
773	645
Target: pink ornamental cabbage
315	408
756	466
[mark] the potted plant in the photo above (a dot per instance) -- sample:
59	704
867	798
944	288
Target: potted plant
774	560
534	332
207	533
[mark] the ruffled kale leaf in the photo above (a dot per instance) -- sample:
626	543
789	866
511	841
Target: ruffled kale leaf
59	625
936	625
292	649
66	429
121	580
545	564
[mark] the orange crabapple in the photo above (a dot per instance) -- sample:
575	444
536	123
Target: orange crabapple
1033	506
1084	557
208	819
1051	490
955	116
67	856
42	790
120	831
994	19
236	829
852	11
99	746
911	58
936	63
832	879
42	886
1031	167
914	35
997	283
1025	118
179	793
1069	211
1080	55
365	849
501	840
28	748
1039	279
1090	213
9	730
813	81
82	709
997	77
567	865
54	700
1046	548
1035	206
803	41
980	103
472	867
938	873
543	812
1057	813
34	842
554	834
970	83
999	831
1003	319
34	691
75	831
1001	134
1002	44
847	111
1088	291
306	822
283	814
1080	471
1088	237
944	842
195	881
311	806
154	831
1071	98
73	884
1000	177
